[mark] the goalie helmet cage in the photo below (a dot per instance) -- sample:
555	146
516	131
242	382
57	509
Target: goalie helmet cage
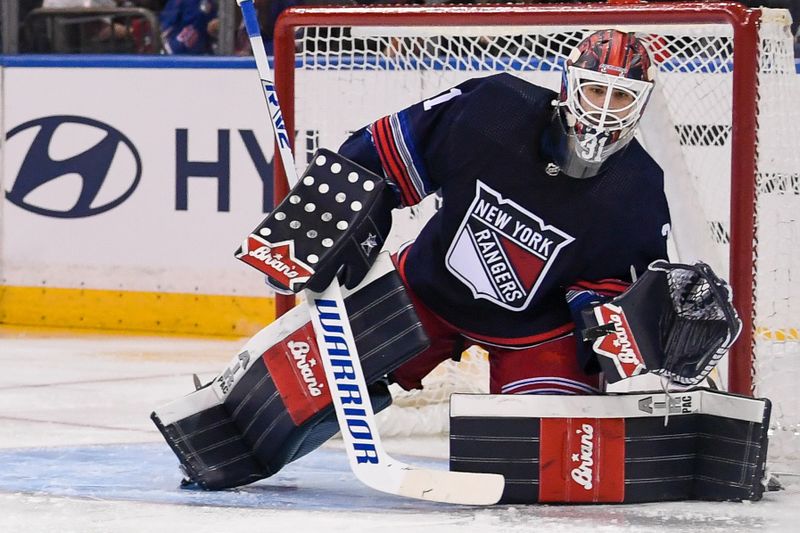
721	123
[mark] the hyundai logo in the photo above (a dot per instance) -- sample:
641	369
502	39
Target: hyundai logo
74	167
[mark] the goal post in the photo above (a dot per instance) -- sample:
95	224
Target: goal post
714	122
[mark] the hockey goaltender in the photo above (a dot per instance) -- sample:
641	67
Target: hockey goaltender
549	251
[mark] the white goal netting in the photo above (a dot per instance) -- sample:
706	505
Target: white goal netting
347	75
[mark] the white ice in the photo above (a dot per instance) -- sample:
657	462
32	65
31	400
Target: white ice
78	453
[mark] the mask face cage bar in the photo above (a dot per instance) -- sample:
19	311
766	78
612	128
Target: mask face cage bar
605	118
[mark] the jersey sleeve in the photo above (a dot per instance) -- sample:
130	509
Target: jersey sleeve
413	146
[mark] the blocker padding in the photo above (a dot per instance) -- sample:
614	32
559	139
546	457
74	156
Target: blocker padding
334	220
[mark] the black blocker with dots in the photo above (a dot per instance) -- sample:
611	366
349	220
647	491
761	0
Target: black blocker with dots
335	220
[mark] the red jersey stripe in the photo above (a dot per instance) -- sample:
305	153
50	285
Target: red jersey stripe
387	150
395	154
379	136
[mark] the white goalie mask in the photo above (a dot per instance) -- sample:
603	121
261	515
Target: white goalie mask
605	88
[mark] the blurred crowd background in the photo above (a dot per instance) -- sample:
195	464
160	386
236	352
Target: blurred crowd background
197	27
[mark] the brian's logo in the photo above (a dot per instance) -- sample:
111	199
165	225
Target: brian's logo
583	474
277	260
502	252
619	345
74	167
306	366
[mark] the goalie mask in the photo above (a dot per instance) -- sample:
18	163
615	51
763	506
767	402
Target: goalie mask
605	86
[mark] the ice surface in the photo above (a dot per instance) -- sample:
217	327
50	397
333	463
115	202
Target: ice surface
79	453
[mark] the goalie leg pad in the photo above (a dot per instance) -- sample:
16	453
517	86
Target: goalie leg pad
614	449
271	404
215	453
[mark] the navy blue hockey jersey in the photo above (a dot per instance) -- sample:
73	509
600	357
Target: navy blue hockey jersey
509	240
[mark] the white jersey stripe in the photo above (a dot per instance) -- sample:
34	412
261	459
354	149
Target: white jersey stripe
405	155
564	382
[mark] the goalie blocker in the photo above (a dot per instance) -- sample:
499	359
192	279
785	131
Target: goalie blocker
614	449
334	221
271	405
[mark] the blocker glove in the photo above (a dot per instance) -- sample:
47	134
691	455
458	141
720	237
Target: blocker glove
334	221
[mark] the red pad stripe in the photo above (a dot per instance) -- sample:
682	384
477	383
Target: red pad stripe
393	164
296	368
400	263
582	460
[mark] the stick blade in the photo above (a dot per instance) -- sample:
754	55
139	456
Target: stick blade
443	486
453	487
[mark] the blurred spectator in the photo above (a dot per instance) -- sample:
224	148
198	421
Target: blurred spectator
241	42
25	7
269	10
102	30
79	3
141	30
153	5
73	31
184	26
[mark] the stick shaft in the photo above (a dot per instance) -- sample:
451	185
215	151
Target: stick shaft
282	137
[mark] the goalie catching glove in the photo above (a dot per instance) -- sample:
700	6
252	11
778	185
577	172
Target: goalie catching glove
675	321
334	221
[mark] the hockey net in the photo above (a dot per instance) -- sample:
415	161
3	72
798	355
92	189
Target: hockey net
718	132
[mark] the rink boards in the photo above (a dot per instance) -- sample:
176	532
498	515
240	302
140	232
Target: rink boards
131	180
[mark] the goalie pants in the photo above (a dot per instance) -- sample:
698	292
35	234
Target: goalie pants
550	367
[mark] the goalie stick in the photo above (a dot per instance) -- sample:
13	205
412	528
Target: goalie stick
368	459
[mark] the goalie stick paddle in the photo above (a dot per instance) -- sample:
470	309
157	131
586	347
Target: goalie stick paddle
368	459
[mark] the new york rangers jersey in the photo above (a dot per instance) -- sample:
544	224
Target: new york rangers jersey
513	234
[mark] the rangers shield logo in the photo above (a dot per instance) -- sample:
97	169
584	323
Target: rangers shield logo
502	252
